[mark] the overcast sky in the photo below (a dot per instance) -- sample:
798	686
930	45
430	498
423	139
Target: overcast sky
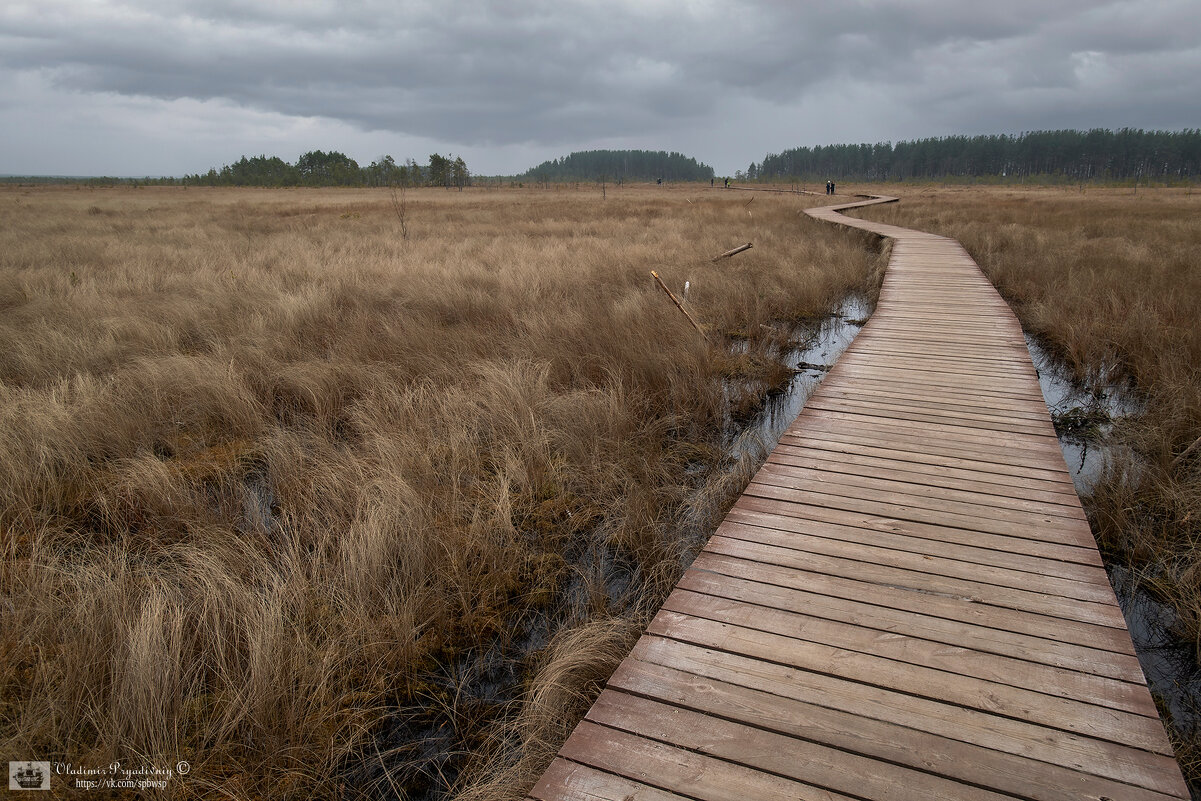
167	87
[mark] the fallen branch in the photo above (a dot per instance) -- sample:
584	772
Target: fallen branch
1185	453
733	252
676	301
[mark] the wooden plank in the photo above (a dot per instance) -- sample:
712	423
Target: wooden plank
906	508
850	442
692	775
1009	735
1078	554
988	555
1030	447
1026	411
1028	452
1084	719
827	475
1012	357
955	381
934	564
1069	634
832	460
993	397
921	338
944	360
865	736
869	611
879	407
571	781
893	644
1100	614
1017	389
790	757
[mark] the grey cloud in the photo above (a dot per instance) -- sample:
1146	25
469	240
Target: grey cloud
475	74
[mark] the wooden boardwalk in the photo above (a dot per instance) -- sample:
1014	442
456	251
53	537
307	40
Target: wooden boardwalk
906	602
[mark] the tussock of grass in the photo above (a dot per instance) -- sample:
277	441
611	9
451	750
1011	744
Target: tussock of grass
1110	281
275	483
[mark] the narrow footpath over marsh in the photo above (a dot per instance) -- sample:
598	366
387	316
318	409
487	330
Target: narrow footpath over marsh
905	603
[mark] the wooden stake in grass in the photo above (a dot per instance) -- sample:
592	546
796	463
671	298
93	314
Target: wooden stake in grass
676	301
733	252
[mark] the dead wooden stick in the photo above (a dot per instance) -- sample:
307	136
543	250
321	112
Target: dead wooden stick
733	252
676	301
1184	453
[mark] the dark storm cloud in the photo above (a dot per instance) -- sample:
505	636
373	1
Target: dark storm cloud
552	74
470	74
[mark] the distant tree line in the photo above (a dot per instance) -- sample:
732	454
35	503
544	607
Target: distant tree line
319	168
93	181
1097	154
614	165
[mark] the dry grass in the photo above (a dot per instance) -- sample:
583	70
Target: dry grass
1110	281
283	495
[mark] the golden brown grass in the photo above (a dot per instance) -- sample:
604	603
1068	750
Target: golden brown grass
1110	281
278	488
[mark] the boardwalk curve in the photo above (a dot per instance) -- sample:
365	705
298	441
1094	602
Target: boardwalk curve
906	602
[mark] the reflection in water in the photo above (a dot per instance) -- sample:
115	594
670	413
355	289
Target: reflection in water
823	345
1084	418
1166	661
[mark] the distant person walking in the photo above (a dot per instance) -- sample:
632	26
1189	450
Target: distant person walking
829	187
727	183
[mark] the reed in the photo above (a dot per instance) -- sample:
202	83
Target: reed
283	492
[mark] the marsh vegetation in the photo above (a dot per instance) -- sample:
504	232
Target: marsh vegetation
292	497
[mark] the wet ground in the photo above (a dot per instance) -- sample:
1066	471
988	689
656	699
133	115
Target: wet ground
424	748
1084	420
1083	416
825	340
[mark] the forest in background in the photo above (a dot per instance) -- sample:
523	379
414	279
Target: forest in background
318	168
1097	154
620	165
315	168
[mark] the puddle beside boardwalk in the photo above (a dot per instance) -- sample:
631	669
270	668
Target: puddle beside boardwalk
1167	663
1083	416
823	345
1084	419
